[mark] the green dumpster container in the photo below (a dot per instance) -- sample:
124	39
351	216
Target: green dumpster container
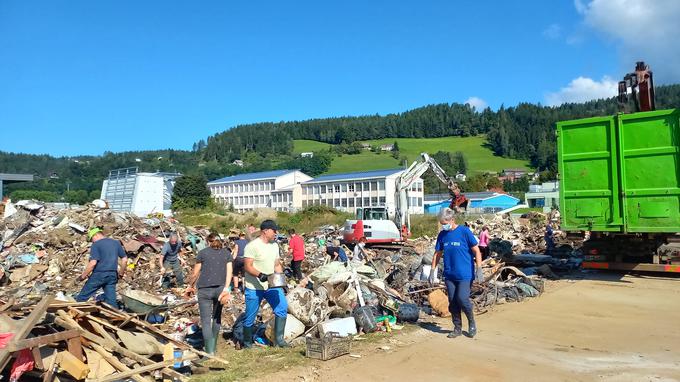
621	173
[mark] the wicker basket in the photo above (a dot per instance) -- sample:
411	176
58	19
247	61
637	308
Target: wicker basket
330	346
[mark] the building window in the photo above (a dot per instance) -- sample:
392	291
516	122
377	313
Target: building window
420	186
374	186
336	188
304	203
365	187
323	188
336	203
344	202
344	187
374	201
261	199
317	202
252	200
304	190
381	185
382	200
351	202
367	202
351	187
420	202
359	204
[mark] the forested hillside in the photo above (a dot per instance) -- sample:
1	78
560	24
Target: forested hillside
525	131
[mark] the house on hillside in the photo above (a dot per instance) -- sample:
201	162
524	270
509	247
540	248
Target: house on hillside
461	177
238	162
546	195
307	155
365	146
386	147
512	174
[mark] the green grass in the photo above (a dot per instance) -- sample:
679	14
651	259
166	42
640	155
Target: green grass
527	210
479	157
362	162
304	145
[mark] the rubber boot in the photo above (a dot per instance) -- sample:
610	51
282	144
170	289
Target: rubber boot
472	326
247	337
209	345
279	330
457	325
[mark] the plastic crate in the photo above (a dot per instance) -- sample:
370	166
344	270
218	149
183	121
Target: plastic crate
330	346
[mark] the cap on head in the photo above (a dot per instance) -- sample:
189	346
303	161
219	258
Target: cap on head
92	232
268	224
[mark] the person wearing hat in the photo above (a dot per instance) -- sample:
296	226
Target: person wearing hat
261	259
108	262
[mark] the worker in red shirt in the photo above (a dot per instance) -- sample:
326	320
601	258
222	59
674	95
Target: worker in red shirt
296	248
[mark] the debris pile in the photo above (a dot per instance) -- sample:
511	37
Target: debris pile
86	341
44	249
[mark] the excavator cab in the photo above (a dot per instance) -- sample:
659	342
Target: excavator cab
372	213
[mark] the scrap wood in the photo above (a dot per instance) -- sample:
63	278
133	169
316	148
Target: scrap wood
67	322
119	365
27	325
145	369
49	372
42	340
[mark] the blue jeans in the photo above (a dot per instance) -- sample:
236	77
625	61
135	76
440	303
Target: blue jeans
275	298
104	280
459	299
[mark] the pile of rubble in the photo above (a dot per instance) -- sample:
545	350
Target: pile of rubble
44	249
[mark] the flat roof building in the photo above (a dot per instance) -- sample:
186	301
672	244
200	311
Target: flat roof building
140	193
349	191
246	192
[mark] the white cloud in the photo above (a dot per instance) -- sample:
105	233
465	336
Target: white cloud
476	102
552	32
644	30
583	89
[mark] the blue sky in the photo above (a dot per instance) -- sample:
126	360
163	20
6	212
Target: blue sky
83	77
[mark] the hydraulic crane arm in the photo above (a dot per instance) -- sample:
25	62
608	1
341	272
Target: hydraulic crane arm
408	177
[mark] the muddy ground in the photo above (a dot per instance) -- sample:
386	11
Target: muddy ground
592	327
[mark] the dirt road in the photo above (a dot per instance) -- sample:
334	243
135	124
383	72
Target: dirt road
605	327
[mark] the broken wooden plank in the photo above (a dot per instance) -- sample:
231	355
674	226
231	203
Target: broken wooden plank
179	344
65	321
43	340
145	369
102	332
49	372
37	358
75	347
27	325
119	365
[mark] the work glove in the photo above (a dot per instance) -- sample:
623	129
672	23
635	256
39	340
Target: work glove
262	277
479	275
433	275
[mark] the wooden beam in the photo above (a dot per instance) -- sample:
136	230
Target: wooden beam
43	340
49	373
143	369
37	358
75	347
134	374
65	321
179	344
27	325
102	332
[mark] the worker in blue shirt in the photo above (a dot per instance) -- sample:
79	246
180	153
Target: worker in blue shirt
458	246
108	262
